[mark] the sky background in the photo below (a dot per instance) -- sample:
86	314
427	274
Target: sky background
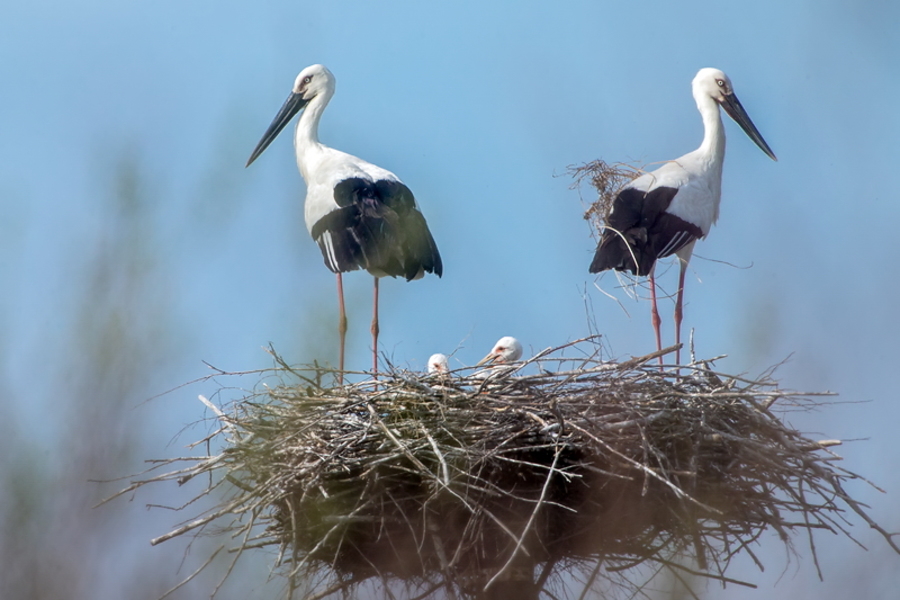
480	107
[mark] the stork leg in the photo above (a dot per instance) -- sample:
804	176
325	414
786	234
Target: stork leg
342	328
654	313
375	330
679	311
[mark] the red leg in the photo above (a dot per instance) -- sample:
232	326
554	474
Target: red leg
375	330
342	328
679	311
654	314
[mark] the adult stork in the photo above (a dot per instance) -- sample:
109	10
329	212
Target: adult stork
666	211
360	215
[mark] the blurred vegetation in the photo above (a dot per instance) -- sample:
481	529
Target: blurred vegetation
117	335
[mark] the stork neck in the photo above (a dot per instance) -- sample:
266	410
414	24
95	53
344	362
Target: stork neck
306	135
713	146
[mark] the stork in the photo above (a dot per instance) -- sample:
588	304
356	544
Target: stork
506	350
666	211
360	215
438	364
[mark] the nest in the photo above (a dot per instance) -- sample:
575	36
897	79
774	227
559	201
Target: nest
483	485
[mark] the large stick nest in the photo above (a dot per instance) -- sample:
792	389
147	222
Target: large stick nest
465	481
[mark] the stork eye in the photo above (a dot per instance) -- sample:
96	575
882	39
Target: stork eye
720	83
307	79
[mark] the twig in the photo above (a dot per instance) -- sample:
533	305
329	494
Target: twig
192	575
528	525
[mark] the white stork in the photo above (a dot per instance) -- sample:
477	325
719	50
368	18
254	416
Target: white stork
506	350
360	215
666	211
438	364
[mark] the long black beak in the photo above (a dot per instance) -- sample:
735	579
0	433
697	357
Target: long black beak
291	107
736	111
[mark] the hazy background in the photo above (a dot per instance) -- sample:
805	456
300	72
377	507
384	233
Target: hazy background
134	245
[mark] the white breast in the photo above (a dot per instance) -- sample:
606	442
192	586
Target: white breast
699	187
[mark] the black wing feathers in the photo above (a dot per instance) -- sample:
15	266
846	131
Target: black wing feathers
639	231
377	227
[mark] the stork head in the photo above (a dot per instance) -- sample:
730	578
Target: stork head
715	84
506	350
315	81
438	364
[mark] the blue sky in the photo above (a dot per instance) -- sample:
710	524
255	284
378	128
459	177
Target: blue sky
479	107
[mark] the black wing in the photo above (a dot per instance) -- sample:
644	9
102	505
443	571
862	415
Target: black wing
377	227
639	231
